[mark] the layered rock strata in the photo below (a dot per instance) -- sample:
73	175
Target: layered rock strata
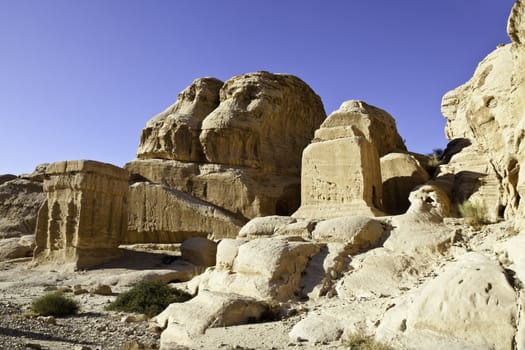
234	146
84	218
341	175
487	112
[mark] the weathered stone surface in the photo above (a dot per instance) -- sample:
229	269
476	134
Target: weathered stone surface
378	273
213	310
158	214
227	251
358	232
470	297
263	121
429	202
340	177
375	124
264	268
244	192
199	251
20	199
83	220
16	247
488	111
174	133
317	329
400	173
265	226
235	145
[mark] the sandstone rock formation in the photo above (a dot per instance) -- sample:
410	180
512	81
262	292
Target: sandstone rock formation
265	268
234	146
83	219
461	304
213	310
341	175
376	125
199	251
488	111
20	198
400	173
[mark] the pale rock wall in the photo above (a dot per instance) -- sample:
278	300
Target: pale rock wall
376	125
236	146
400	173
157	214
488	111
340	177
84	217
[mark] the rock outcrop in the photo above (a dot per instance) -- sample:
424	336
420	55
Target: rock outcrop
469	298
341	174
84	217
234	146
20	198
400	173
488	111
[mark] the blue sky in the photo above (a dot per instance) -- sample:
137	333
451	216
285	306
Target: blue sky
79	79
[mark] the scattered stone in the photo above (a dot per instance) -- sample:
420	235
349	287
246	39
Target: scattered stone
101	289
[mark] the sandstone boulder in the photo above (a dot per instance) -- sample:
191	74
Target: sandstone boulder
317	329
185	321
158	214
83	220
400	173
375	124
340	176
199	251
263	268
466	300
20	200
174	133
236	146
357	232
265	226
17	247
488	111
227	251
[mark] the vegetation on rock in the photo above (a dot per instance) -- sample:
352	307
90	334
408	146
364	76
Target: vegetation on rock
55	304
474	212
150	298
360	341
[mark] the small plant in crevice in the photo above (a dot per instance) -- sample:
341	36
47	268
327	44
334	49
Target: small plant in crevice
475	213
361	341
55	304
149	298
434	160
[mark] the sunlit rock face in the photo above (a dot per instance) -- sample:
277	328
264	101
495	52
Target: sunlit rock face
488	112
83	220
263	121
174	133
235	146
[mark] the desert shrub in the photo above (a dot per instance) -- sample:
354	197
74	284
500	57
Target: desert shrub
150	298
360	341
474	212
434	159
55	304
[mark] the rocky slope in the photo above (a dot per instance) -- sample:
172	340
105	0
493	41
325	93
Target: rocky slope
376	247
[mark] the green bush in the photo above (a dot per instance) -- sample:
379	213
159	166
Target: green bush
55	304
149	298
361	341
474	212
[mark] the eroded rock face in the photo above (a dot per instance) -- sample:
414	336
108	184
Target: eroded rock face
263	268
488	111
400	173
174	133
469	298
236	146
376	125
20	199
341	175
84	217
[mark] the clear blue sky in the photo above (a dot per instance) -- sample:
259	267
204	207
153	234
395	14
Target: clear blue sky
79	79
